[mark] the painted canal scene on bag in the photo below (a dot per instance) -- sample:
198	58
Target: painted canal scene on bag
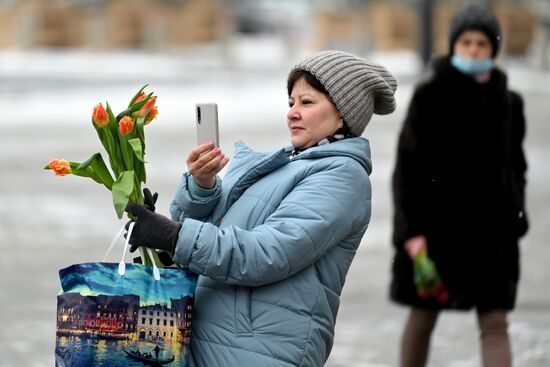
105	319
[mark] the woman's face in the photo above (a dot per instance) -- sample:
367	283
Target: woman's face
312	115
473	45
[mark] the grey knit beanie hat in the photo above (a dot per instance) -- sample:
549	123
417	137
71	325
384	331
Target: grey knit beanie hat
478	18
357	87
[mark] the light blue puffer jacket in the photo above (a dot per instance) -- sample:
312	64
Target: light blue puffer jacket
273	246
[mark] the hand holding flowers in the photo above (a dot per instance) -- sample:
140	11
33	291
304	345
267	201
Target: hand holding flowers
427	280
426	277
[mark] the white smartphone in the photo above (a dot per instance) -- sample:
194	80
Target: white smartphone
207	123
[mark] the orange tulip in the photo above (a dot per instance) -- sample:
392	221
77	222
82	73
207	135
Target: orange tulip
61	167
146	108
140	97
154	112
125	125
99	116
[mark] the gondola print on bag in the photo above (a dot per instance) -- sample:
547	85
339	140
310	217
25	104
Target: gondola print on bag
118	314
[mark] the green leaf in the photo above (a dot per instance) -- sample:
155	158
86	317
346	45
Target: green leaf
99	168
137	94
87	162
101	134
113	153
122	188
87	172
140	123
136	146
143	174
112	119
140	132
139	168
126	152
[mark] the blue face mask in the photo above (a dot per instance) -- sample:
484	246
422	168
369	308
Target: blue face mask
472	66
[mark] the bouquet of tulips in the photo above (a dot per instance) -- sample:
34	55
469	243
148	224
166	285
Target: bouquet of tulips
427	280
123	137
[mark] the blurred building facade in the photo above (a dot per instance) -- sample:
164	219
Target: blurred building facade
357	25
110	24
394	24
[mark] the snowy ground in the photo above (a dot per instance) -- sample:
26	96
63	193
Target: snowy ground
48	222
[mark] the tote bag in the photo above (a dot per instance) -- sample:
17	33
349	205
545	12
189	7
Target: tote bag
118	314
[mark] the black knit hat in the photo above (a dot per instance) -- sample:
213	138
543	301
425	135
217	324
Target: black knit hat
478	18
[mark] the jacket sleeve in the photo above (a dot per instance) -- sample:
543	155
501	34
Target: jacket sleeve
408	179
318	214
519	163
185	205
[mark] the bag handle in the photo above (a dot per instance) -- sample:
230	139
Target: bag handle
114	242
122	264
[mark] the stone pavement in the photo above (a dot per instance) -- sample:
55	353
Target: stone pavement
48	222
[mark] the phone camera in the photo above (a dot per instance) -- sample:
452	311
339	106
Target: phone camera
198	115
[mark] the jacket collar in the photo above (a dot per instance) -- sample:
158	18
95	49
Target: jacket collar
355	148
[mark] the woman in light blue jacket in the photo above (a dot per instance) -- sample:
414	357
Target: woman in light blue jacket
273	242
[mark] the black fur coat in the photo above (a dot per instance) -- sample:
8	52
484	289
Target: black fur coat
459	180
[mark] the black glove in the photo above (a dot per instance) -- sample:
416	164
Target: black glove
152	230
149	201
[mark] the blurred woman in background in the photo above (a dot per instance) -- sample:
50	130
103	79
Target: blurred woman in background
458	186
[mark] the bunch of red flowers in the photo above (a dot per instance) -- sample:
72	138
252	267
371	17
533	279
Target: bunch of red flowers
427	280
